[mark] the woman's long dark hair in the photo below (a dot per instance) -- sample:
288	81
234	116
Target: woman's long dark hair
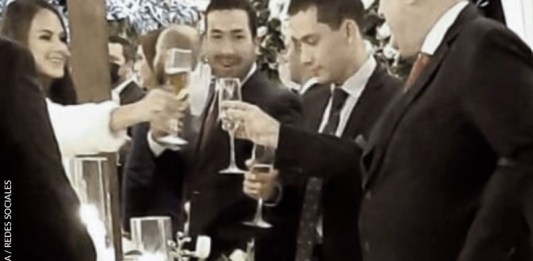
16	25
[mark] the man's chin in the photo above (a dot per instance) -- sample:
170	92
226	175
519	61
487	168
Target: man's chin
322	79
226	73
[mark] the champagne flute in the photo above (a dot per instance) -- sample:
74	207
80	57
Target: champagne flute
262	163
229	90
178	67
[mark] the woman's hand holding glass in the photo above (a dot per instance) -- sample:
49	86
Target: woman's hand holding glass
178	67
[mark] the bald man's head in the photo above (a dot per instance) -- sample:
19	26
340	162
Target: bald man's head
411	20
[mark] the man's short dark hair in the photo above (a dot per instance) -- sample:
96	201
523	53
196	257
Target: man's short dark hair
128	49
245	5
332	12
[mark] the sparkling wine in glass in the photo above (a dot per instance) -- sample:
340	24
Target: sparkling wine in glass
229	89
178	67
262	163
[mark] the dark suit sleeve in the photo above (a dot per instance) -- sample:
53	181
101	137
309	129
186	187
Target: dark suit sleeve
300	151
500	104
153	185
288	108
308	153
138	175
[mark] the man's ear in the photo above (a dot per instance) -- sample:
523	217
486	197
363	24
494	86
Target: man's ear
351	30
257	45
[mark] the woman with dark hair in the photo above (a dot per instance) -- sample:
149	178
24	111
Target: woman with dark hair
145	59
80	129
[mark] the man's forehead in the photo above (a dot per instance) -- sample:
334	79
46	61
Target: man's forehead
227	20
114	47
115	51
304	23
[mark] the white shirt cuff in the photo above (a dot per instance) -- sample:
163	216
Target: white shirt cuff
158	148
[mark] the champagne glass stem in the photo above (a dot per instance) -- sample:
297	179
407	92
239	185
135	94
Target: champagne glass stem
232	149
259	210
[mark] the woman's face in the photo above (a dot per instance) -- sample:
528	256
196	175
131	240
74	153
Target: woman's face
142	69
47	42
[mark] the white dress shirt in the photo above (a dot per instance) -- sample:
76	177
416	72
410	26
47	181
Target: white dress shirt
308	84
354	86
440	28
158	149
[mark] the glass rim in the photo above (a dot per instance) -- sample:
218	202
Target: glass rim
89	158
222	79
179	50
150	218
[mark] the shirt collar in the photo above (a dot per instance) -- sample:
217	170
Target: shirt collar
308	84
115	93
357	82
123	85
250	73
436	35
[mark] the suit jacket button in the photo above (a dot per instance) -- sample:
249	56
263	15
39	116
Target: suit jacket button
368	195
366	246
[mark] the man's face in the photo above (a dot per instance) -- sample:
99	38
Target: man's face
116	56
405	25
290	67
322	50
229	46
294	63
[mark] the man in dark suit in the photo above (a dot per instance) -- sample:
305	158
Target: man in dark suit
218	206
41	211
362	91
121	58
433	151
125	90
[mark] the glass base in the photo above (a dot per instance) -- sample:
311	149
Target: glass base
232	171
257	223
172	140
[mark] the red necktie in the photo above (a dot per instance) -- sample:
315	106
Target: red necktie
418	67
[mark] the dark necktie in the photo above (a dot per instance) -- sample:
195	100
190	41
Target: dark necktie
211	115
307	236
337	102
420	64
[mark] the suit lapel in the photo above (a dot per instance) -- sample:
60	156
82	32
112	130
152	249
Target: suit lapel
367	102
315	102
203	118
391	121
